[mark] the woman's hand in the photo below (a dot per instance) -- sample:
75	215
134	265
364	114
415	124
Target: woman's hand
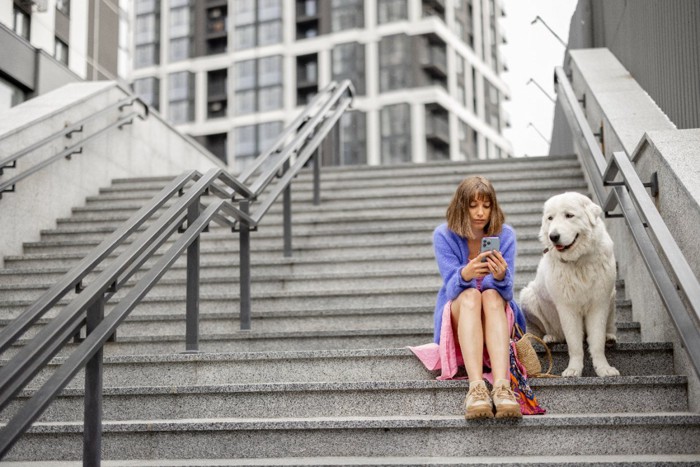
497	266
476	268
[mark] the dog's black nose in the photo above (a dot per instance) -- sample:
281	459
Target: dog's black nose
554	237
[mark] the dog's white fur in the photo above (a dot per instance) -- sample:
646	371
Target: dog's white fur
574	289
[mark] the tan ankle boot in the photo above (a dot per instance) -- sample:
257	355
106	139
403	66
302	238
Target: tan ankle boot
478	402
504	400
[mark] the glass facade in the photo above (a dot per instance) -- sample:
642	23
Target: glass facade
10	94
347	14
353	138
257	23
259	85
21	21
251	140
389	11
148	90
60	51
349	63
394	62
396	134
147	33
181	97
217	93
180	31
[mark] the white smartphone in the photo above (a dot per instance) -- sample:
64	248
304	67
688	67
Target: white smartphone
490	244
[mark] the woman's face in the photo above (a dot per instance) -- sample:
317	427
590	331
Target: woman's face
479	213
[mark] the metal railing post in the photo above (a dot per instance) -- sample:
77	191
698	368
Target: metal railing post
192	319
287	215
317	175
92	415
244	239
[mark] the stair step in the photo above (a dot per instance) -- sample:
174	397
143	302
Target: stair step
636	434
631	359
624	394
650	460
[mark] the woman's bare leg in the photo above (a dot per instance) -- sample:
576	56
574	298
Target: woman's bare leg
467	320
496	333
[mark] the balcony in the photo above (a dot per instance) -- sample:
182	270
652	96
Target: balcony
433	59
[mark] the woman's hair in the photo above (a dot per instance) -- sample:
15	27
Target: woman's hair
471	189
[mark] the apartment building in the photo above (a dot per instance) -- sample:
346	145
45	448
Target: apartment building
232	73
45	44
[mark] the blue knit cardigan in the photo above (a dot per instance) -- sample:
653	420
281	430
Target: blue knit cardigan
452	254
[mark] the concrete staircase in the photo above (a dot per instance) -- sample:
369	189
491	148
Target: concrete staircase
324	377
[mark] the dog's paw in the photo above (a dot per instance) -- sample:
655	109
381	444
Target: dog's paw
571	372
549	339
610	340
607	371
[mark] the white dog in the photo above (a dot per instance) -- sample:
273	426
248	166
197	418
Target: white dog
574	288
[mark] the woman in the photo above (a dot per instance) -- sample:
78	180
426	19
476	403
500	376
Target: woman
477	293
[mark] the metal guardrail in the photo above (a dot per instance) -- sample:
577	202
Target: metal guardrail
86	309
10	162
643	219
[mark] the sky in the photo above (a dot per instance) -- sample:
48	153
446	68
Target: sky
532	52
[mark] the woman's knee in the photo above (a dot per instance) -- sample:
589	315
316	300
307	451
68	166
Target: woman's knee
469	301
491	298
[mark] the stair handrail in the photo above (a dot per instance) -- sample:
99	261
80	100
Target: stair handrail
642	217
87	308
311	127
10	162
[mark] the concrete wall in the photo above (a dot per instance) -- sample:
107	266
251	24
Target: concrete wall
633	123
146	148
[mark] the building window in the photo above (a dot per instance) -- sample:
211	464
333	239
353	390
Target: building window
181	95
147	33
347	14
396	134
433	59
251	140
60	51
258	23
216	144
349	63
353	137
216	93
307	78
492	101
433	8
394	63
180	31
148	90
437	133
63	6
217	30
21	22
10	94
391	10
258	85
307	18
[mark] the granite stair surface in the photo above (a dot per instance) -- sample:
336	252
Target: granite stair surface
325	376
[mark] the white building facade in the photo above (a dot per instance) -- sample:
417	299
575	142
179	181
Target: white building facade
232	73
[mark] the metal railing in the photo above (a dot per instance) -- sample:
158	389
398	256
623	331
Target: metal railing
643	219
10	162
87	307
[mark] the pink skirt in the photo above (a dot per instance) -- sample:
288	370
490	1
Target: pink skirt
446	356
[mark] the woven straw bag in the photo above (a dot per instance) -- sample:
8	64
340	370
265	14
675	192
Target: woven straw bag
527	355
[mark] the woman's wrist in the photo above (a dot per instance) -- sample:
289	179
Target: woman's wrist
463	273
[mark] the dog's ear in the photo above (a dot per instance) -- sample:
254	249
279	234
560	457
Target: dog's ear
593	211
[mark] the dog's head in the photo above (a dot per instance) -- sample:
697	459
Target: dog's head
568	222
